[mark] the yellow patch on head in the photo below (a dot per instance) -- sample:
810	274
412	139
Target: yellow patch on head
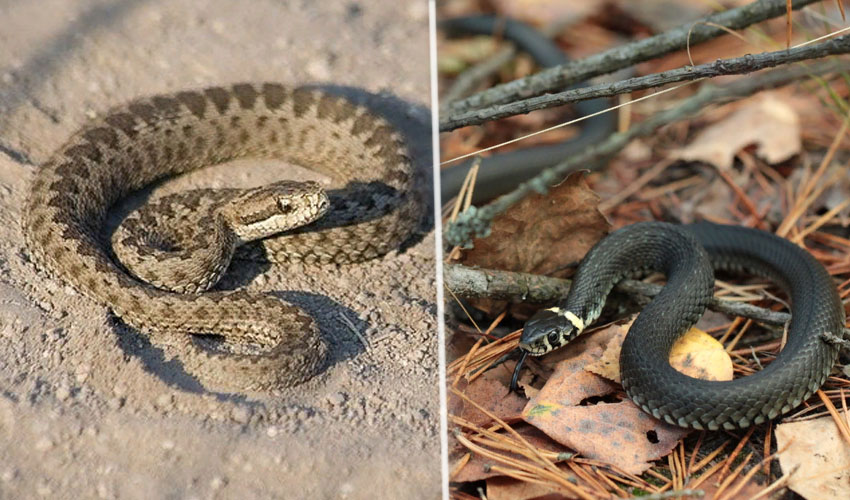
575	320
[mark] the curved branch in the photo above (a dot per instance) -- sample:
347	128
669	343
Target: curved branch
562	76
739	65
505	285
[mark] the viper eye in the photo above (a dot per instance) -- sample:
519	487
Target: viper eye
553	338
285	206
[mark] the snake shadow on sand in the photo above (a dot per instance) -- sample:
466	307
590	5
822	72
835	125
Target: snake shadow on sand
344	344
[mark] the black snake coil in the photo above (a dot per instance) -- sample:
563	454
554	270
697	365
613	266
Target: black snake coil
687	255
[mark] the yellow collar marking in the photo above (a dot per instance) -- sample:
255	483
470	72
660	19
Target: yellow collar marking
575	320
572	318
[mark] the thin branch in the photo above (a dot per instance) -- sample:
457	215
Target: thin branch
833	339
471	282
562	76
466	82
505	285
739	65
475	221
472	77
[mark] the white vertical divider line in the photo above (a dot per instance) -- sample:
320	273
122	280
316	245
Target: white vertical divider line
438	250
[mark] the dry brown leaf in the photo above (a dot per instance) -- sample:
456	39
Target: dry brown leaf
619	434
696	354
491	392
572	383
718	201
766	121
529	390
823	458
543	234
608	364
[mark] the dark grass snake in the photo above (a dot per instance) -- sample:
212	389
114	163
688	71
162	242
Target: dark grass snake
687	255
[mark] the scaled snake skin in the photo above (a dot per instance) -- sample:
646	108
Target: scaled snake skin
687	255
132	146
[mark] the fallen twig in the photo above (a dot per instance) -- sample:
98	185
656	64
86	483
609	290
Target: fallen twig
472	282
736	66
472	77
562	76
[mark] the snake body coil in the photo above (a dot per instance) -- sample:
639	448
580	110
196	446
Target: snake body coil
687	255
371	211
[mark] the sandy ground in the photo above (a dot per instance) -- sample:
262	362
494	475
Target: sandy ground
88	407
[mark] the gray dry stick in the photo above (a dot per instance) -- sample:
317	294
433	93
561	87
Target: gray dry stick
735	66
150	139
557	78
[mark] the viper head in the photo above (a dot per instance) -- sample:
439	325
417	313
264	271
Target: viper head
548	329
274	208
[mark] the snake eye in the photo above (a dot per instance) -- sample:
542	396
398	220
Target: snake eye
284	206
553	338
